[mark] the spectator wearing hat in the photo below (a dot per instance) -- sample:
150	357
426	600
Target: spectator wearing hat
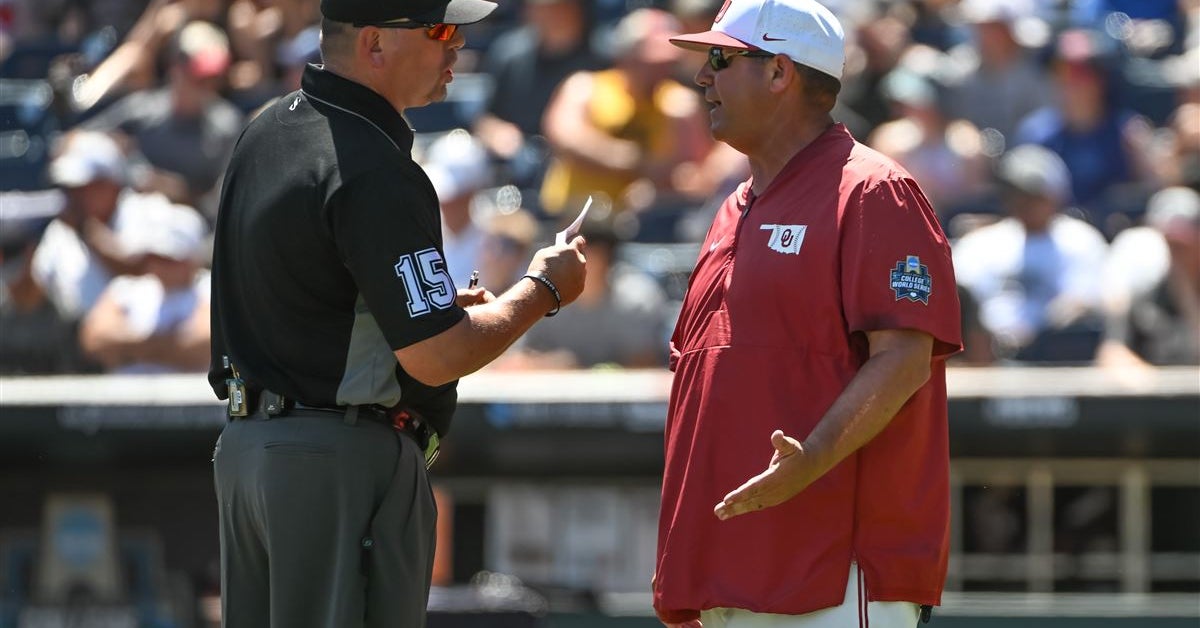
156	322
1034	272
82	249
458	167
1152	301
186	130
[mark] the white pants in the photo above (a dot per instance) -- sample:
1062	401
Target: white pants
855	612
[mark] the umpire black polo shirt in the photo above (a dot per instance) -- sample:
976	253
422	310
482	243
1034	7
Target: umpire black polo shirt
328	254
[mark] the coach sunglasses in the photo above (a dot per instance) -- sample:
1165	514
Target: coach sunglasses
438	32
718	60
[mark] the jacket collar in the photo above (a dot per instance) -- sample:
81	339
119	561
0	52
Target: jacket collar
335	91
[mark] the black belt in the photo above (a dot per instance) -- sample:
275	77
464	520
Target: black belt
273	405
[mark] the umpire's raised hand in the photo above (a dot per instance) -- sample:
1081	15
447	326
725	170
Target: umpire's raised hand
565	266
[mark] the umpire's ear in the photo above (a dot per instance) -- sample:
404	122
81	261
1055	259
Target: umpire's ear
367	46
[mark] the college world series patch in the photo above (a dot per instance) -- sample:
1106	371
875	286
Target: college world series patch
911	280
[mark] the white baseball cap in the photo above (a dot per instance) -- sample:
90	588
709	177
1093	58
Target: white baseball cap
457	164
86	157
1171	205
804	30
172	231
1005	11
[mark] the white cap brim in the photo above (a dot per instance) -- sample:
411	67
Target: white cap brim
70	173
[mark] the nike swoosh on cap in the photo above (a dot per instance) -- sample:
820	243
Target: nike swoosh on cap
767	37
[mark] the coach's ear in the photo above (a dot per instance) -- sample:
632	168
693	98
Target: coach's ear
781	72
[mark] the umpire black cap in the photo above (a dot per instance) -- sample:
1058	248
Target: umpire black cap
428	11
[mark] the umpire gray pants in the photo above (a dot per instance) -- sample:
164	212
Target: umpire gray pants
323	524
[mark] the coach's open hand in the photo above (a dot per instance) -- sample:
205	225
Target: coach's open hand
791	470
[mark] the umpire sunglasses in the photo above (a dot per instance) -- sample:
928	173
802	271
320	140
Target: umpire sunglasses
718	60
438	32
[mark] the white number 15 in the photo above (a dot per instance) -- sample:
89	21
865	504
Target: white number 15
425	281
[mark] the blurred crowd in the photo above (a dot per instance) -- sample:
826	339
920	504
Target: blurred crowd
1059	141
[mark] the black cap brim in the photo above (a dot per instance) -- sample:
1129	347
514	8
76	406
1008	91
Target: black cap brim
458	12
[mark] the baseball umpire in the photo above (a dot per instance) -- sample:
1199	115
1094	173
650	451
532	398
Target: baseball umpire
338	336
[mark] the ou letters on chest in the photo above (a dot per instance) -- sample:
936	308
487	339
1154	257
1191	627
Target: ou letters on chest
785	239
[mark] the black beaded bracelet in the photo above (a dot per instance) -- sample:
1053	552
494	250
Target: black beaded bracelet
545	281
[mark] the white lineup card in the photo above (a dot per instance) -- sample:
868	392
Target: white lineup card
572	230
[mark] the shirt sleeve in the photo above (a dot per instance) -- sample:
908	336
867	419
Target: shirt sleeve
121	115
41	267
896	269
387	229
1080	279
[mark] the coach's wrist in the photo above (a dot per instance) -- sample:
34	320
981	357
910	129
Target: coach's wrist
817	454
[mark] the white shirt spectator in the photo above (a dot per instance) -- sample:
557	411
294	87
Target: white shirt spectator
462	252
151	310
1018	277
69	272
457	165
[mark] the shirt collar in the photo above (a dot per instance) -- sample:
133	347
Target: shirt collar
326	87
